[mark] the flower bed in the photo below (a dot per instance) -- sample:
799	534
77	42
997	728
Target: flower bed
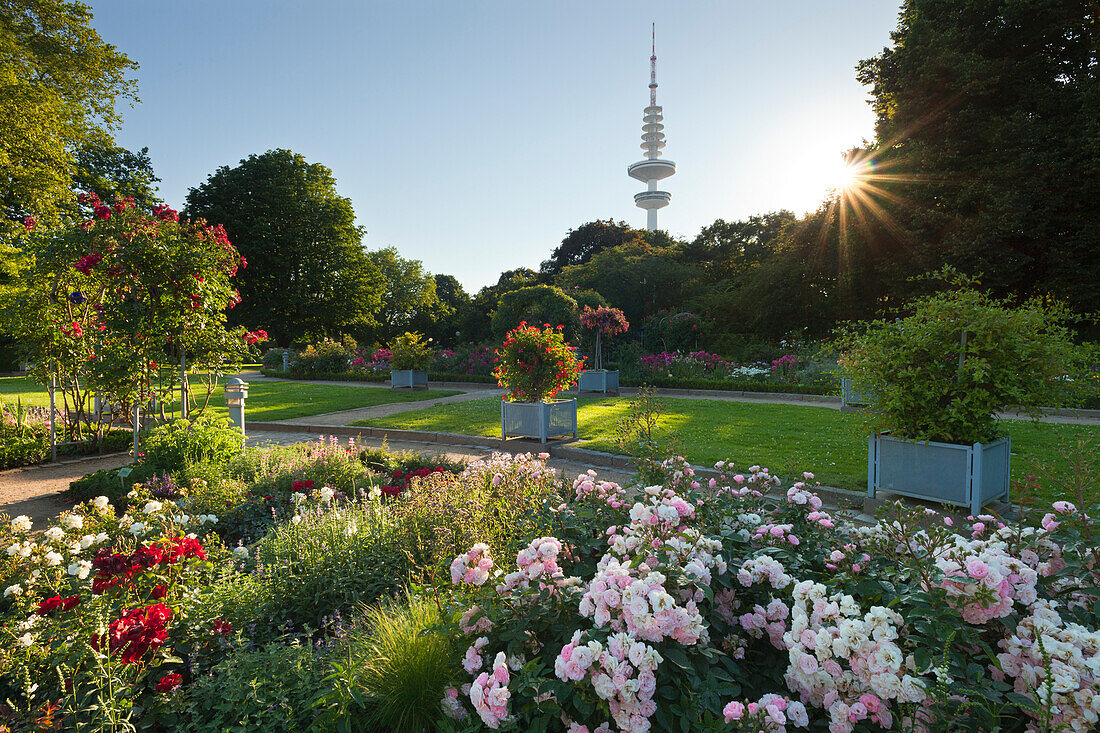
735	603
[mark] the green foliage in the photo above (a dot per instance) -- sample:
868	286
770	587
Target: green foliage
534	364
989	138
330	560
22	446
410	352
308	276
60	83
580	244
943	372
537	304
324	357
397	667
181	444
108	483
408	297
269	688
637	435
273	358
111	171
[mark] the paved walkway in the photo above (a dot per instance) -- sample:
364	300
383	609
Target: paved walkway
473	391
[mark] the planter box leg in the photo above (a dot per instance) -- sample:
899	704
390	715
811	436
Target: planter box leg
976	479
871	458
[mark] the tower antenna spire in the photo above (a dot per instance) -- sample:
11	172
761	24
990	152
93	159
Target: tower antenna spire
653	168
653	68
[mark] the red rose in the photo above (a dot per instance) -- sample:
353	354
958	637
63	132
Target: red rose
169	682
103	212
29	223
49	605
221	627
158	592
70	603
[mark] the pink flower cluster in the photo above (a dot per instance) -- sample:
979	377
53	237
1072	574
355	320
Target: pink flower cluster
982	580
473	566
770	620
538	562
771	714
772	534
489	693
623	674
639	605
1071	652
587	486
472	660
763	568
845	661
848	558
469	625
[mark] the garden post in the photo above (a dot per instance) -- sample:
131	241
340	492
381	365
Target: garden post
137	425
286	361
236	391
53	424
183	385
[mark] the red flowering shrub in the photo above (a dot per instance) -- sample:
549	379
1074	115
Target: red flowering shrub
170	682
399	480
136	632
221	627
534	364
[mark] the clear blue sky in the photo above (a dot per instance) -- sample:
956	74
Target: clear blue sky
473	135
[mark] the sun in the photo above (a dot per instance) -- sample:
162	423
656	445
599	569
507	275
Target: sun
848	174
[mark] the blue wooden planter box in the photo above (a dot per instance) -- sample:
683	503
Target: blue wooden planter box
538	420
408	379
598	380
850	399
963	475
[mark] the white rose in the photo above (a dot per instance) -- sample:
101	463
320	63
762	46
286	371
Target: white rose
80	569
137	528
75	548
12	549
13	590
87	541
296	519
327	494
53	558
298	497
53	534
73	521
152	507
22	523
26	640
101	538
101	502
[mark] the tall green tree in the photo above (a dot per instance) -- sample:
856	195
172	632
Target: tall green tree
108	170
445	328
580	244
409	300
728	250
989	142
59	85
537	305
307	276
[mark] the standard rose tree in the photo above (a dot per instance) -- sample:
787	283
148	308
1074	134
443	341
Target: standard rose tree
606	322
125	292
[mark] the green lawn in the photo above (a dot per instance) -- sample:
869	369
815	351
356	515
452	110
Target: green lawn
266	400
786	438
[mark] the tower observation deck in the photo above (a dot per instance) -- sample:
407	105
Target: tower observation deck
652	168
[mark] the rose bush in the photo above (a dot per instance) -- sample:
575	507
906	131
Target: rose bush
534	364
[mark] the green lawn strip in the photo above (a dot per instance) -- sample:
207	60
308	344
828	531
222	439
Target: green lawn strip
787	438
266	400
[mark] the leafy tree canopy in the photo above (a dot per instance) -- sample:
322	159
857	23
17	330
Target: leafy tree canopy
108	170
537	305
59	83
582	243
989	142
409	297
307	276
728	250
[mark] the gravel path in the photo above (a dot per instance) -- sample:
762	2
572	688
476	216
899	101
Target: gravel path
37	490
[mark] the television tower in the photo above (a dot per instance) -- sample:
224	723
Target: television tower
652	168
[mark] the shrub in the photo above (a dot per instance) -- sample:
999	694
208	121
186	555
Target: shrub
944	372
23	442
273	358
398	666
268	688
181	444
325	357
108	483
535	364
327	561
410	352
